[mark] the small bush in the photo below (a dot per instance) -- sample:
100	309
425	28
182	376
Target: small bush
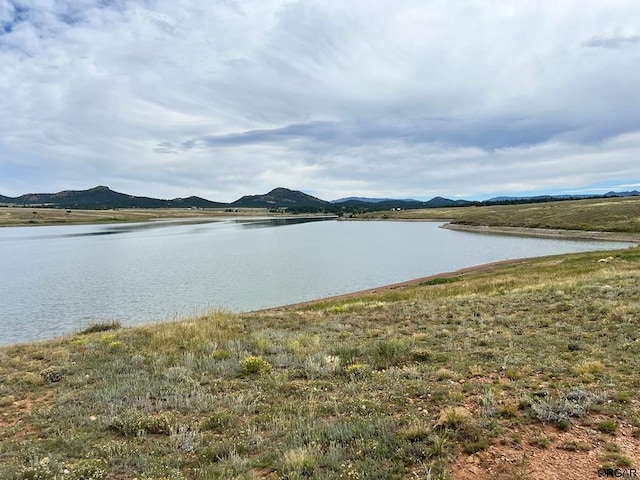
421	355
438	281
102	327
416	431
438	445
320	365
576	403
607	426
572	446
488	403
53	374
474	446
133	423
444	374
90	469
392	351
454	417
220	354
255	366
359	371
219	420
44	469
300	462
540	441
589	367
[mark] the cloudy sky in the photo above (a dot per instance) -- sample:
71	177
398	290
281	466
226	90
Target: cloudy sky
383	98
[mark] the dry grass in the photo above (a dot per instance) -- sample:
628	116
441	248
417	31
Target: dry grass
528	370
603	214
14	216
402	384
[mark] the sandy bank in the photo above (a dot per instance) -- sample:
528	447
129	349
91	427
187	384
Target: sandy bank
547	233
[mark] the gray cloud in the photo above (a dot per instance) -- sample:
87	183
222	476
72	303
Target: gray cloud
404	98
612	41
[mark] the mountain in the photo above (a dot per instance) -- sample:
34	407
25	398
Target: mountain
294	201
281	197
440	202
550	198
391	204
103	197
541	198
633	193
368	200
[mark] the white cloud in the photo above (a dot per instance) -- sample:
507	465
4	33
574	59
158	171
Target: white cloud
404	98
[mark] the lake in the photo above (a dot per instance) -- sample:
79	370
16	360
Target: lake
57	280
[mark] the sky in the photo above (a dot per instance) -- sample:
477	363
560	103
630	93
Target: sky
378	98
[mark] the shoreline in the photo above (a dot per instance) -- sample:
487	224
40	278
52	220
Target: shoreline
480	268
546	233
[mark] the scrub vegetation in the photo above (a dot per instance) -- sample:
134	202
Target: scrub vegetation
521	371
599	215
21	216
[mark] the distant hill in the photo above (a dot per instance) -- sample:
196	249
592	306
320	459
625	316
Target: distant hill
293	201
281	197
389	204
103	197
369	200
548	198
633	193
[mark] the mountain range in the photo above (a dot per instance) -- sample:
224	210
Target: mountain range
102	197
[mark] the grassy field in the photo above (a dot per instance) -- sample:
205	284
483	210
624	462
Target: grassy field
524	371
602	214
14	216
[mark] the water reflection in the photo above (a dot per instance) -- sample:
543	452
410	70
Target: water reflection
117	229
279	222
63	284
136	227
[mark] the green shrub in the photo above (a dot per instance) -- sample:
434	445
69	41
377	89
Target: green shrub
53	374
607	426
359	371
90	469
576	403
220	354
541	441
416	430
392	351
219	420
102	327
44	469
320	365
438	281
255	366
454	417
133	423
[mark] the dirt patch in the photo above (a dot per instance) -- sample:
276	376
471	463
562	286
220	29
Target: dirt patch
13	416
577	453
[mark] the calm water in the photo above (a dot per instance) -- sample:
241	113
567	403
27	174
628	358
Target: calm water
58	280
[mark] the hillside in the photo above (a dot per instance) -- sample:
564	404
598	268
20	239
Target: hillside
512	372
615	214
102	197
281	197
527	370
